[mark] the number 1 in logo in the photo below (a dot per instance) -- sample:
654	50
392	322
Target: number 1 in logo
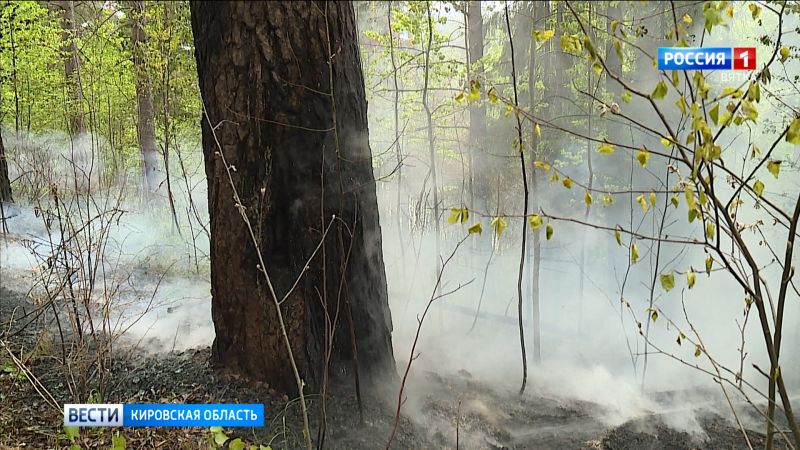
744	58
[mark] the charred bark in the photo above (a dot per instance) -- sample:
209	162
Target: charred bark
265	82
5	182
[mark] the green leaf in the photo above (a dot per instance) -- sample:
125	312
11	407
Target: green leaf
118	442
455	215
758	188
618	235
710	230
542	165
634	253
535	220
755	10
793	135
674	201
538	130
608	199
697	350
567	183
626	97
714	113
784	54
543	35
587	198
642	202
687	19
653	199
709	263
460	97
653	314
605	149
667	281
690	278
681	104
236	444
643	156
598	69
220	438
72	432
215	429
475	228
774	167
693	214
492	94
660	91
549	231
499	225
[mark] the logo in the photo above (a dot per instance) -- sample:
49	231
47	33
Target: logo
706	58
174	415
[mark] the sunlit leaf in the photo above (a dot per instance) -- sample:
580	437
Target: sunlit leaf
634	253
774	167
687	19
784	54
598	69
608	199
549	231
460	97
674	201
587	198
653	314
698	350
475	228
567	183
643	156
554	177
653	199
667	281
660	91
626	96
535	220
758	187
618	235
755	10
499	225
541	36
492	95
538	130
714	114
666	141
455	215
606	149
710	230
681	104
709	263
793	135
542	165
642	202
690	278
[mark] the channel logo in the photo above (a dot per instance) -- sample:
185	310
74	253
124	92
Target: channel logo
164	415
706	58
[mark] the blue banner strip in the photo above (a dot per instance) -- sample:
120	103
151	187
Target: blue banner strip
193	415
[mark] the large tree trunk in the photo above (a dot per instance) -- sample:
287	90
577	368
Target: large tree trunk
145	123
265	82
72	61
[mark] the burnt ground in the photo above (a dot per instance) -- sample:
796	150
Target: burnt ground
487	419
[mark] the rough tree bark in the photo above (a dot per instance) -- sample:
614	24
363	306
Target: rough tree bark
145	122
264	79
72	61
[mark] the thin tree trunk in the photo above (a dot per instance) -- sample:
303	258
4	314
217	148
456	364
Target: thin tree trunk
480	166
256	63
534	196
145	121
5	182
72	64
431	141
